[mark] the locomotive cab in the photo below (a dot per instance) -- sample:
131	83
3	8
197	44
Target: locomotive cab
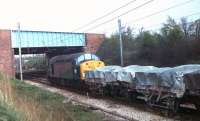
72	67
86	62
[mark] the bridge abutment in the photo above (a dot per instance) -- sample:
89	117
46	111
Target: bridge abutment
6	54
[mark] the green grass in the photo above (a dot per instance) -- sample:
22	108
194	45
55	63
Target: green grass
35	93
8	114
52	105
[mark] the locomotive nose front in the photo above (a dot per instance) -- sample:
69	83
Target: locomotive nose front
89	66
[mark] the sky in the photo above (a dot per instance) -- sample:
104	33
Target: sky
68	15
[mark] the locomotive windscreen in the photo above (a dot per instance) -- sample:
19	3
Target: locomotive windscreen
86	57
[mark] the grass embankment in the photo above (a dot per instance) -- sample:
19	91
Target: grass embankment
23	102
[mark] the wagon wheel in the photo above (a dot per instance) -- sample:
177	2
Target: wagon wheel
107	90
132	96
100	90
151	101
197	106
93	89
173	105
114	91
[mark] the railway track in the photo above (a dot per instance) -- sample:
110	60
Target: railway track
114	108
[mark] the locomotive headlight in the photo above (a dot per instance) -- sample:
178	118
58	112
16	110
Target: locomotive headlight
83	75
75	71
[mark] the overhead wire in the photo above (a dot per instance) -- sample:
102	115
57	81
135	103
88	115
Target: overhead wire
156	29
120	15
197	13
141	18
161	11
128	11
107	14
157	24
144	17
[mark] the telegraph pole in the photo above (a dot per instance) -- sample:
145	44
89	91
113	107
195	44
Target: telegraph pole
120	41
20	52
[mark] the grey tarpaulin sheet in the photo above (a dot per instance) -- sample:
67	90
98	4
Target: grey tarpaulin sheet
192	81
104	74
174	80
117	73
127	74
165	79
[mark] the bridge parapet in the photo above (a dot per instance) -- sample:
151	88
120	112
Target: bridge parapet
33	39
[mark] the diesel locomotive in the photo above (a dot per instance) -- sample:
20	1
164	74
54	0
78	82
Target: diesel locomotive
69	70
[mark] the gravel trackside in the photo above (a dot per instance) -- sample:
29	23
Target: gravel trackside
107	106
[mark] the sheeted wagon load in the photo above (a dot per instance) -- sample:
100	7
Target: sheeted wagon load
117	73
126	81
192	83
115	77
127	74
98	79
104	74
110	73
168	80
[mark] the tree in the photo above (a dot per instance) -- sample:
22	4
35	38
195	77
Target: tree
175	44
185	27
109	50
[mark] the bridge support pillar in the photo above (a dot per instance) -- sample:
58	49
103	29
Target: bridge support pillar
6	54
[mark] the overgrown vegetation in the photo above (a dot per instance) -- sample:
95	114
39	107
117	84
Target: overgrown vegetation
175	44
23	102
34	62
8	114
37	62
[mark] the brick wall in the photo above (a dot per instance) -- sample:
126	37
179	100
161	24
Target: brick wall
93	42
6	54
